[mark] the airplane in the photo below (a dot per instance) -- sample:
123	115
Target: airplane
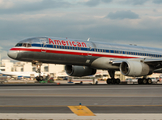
20	74
84	57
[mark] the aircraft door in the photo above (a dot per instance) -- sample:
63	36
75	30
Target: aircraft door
43	44
90	49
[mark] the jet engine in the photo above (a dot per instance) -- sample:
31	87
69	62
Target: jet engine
79	70
135	68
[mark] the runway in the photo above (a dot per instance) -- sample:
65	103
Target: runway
100	99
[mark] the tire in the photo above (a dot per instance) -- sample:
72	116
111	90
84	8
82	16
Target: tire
117	81
149	81
109	81
39	78
144	81
140	81
113	81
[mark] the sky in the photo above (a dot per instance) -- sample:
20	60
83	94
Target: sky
118	21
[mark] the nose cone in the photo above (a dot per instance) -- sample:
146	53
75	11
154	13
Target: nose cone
12	54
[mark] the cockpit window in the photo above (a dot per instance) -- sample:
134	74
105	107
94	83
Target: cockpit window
28	42
26	45
29	45
23	45
18	45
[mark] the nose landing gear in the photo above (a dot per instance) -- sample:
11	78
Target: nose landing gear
38	70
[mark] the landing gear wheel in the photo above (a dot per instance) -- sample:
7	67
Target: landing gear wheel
140	81
39	78
38	70
149	81
109	81
117	81
144	81
113	81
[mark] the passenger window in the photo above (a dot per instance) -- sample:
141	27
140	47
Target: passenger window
24	45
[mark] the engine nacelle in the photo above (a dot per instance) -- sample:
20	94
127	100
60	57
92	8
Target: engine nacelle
135	68
79	70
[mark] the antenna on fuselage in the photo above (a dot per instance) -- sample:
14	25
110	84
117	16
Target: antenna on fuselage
88	39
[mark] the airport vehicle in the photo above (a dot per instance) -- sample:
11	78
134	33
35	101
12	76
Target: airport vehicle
85	79
131	80
82	58
160	78
154	80
4	79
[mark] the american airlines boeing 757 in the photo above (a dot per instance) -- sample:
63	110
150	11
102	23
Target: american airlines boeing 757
82	58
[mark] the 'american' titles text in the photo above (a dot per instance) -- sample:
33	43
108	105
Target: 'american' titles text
67	43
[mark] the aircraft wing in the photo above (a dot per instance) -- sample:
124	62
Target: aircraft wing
156	62
145	60
149	60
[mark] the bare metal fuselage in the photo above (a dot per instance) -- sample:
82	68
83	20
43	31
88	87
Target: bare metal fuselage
75	52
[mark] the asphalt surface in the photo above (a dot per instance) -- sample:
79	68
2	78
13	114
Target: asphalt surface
98	98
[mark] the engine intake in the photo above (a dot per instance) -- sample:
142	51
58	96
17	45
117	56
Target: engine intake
79	70
135	68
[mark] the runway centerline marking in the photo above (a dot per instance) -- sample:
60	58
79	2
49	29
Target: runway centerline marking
81	111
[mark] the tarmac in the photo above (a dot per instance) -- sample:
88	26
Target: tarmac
52	101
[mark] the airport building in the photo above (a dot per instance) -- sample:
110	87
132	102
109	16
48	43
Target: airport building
9	66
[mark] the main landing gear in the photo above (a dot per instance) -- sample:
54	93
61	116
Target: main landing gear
112	80
144	81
